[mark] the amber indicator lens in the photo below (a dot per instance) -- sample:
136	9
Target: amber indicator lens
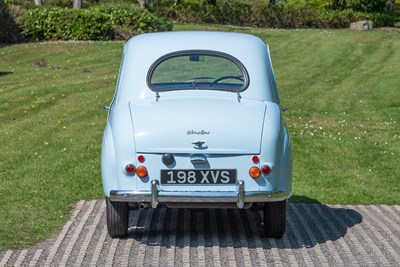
141	158
255	159
130	169
266	170
141	171
254	172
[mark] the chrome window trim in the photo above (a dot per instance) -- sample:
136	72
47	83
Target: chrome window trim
246	78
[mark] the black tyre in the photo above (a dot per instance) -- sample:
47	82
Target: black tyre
275	219
117	218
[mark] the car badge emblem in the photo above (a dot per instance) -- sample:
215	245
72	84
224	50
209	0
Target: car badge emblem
199	143
202	132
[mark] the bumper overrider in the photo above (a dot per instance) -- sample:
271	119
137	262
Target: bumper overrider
156	196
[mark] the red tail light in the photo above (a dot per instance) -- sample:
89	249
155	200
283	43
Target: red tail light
130	169
266	170
141	158
255	159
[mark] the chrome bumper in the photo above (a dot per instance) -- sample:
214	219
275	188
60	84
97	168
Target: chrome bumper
155	195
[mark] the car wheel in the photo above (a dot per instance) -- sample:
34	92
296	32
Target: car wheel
117	218
275	219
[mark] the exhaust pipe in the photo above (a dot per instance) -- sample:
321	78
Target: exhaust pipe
143	205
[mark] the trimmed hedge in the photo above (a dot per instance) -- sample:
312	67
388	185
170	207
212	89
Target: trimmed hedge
128	20
121	21
260	14
59	23
97	23
368	5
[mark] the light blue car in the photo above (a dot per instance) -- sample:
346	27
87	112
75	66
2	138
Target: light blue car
196	123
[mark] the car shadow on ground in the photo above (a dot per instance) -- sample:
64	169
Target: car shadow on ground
3	73
307	225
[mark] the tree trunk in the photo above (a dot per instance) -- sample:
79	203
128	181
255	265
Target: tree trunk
38	2
141	3
144	3
77	4
391	5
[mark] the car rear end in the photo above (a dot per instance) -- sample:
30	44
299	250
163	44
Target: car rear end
202	150
201	132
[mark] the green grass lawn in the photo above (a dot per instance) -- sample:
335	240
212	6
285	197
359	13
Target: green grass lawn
342	89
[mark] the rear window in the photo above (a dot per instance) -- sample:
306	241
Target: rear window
198	70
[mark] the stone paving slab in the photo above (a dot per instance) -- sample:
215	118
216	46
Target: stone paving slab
317	235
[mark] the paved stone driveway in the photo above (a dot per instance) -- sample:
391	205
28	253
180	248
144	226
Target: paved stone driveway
317	235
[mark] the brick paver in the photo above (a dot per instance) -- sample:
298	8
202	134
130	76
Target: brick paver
317	235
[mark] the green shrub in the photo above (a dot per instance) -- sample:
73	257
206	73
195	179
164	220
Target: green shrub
368	5
307	3
66	24
337	4
88	25
259	14
134	20
97	23
382	19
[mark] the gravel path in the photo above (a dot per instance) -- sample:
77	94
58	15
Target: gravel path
317	235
